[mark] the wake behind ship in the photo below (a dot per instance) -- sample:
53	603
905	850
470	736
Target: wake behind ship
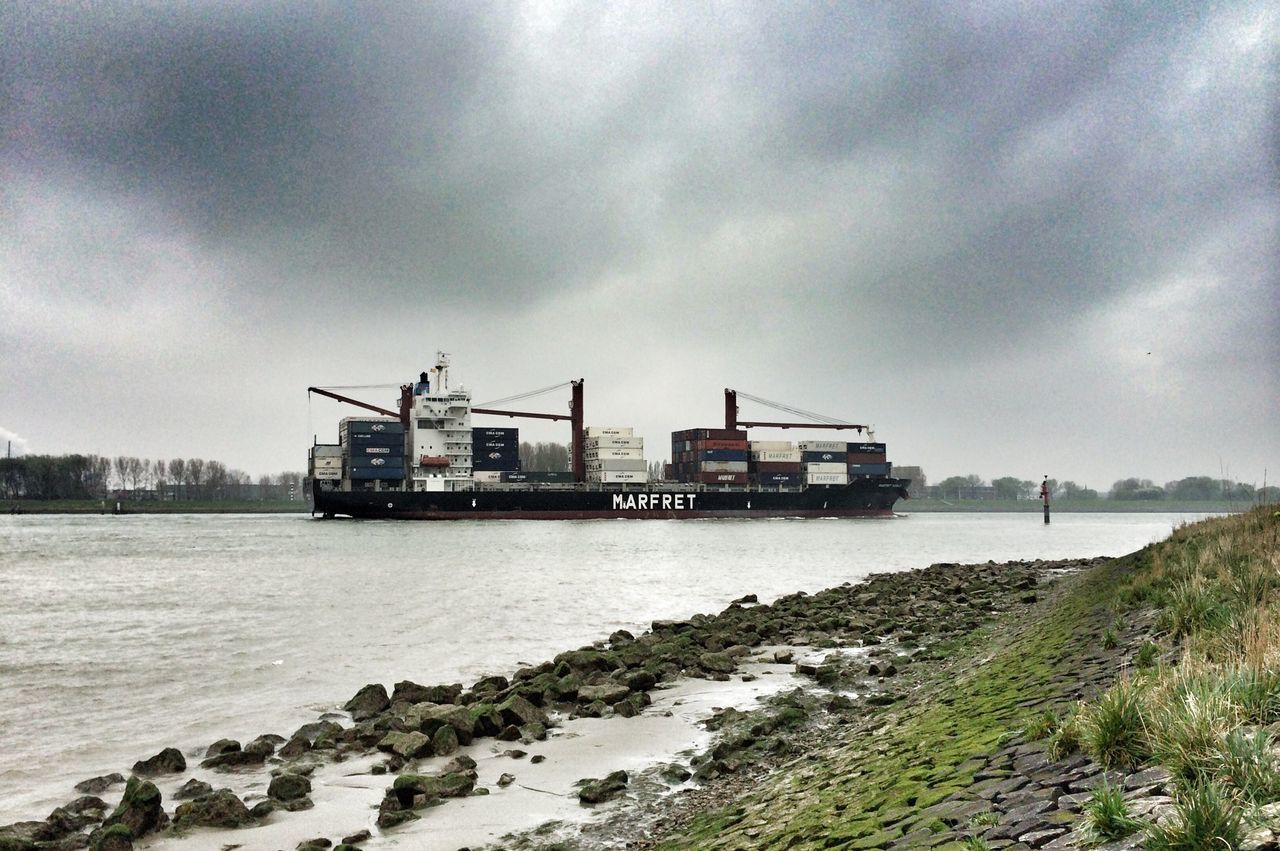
427	462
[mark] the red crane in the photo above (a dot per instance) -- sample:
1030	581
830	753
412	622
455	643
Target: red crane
575	417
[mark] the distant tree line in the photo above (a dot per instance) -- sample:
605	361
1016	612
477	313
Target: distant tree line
125	477
544	457
1191	488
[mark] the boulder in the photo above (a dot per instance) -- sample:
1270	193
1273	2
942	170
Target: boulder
313	731
193	788
410	745
288	787
357	837
220	747
234	759
429	717
114	838
216	809
717	663
595	791
295	747
263	746
417	790
98	785
168	761
640	680
485	719
445	741
368	701
410	692
491	685
140	809
606	692
517	710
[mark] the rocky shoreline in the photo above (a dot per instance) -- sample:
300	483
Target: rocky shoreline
889	646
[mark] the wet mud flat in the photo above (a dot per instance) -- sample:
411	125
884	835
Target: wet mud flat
619	744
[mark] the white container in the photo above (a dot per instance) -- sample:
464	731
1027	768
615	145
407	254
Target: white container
823	446
613	465
611	441
723	467
609	431
771	446
618	476
326	450
613	452
789	455
487	475
827	478
827	467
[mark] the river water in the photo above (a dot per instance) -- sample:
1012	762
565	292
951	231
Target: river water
123	635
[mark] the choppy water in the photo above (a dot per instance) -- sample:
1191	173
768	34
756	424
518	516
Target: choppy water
122	635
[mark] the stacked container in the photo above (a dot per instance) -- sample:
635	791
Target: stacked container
494	450
775	463
867	459
614	454
326	461
374	449
825	462
711	456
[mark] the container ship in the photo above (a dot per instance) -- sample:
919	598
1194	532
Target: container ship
427	461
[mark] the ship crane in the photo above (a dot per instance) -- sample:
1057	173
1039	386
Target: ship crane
575	415
731	420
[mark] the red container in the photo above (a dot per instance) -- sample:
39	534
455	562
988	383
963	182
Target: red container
721	444
720	478
866	458
777	466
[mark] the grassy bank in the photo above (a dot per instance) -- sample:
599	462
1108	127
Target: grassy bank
1038	688
99	506
1032	506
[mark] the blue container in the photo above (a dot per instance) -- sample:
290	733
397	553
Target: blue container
495	434
724	455
375	426
377	475
869	469
866	447
823	457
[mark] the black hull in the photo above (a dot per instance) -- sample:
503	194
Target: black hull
861	498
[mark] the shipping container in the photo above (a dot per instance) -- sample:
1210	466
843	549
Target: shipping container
865	458
721	455
869	469
613	441
826	467
722	467
772	446
722	444
618	477
613	452
536	476
776	467
793	455
495	433
822	457
494	446
709	434
377	473
618	464
326	450
486	475
866	447
357	450
823	446
827	478
779	479
378	426
609	431
719	478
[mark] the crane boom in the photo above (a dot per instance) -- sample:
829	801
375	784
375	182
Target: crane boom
731	418
339	397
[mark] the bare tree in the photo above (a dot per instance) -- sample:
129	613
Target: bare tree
178	473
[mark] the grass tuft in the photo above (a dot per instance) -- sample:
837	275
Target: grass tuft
1205	818
1146	656
1113	730
1106	815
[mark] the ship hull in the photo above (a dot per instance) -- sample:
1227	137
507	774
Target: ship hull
862	498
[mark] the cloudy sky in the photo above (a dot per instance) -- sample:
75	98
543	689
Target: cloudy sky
1017	238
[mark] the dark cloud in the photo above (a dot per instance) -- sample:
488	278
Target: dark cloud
932	184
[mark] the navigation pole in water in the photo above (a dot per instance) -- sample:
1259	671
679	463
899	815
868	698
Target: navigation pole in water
1044	494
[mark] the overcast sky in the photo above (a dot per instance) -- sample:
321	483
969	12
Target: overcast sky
1017	238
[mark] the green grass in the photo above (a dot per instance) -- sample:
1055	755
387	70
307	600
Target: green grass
1147	656
1106	815
1206	818
1112	729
